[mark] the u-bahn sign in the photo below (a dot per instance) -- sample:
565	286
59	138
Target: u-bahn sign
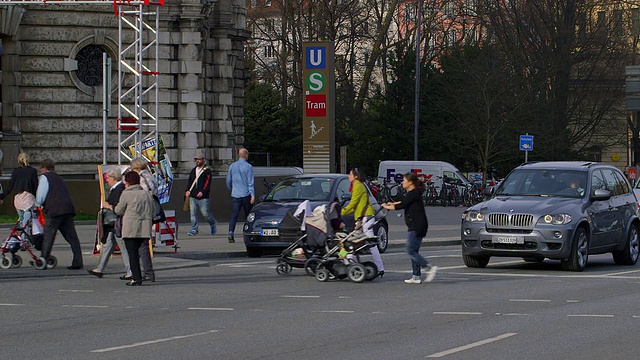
318	118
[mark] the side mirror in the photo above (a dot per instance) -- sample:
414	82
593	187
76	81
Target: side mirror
488	191
601	195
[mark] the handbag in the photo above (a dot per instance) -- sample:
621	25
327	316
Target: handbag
109	217
158	213
186	206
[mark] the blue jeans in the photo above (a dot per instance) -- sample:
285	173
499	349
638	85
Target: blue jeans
243	202
413	249
23	217
203	204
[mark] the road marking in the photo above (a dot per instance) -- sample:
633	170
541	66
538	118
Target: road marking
74	291
573	301
591	315
11	304
622	273
512	314
301	296
87	306
152	342
472	345
529	300
245	263
336	311
214	309
455	313
635	316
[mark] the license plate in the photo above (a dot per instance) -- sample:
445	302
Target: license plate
269	232
507	240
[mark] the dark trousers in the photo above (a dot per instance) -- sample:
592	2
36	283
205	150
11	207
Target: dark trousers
64	224
243	202
133	249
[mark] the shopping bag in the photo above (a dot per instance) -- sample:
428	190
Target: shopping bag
186	206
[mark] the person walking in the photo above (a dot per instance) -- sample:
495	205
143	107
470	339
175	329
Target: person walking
198	192
53	196
136	208
360	206
416	219
148	183
24	182
240	183
114	179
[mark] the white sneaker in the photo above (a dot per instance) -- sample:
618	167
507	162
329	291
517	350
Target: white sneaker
413	280
431	273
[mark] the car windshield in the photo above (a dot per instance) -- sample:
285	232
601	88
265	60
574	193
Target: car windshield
300	189
541	182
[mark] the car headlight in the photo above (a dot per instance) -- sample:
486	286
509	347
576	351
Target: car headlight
251	217
473	216
556	219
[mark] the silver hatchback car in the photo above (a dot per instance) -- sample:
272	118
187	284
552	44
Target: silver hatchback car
554	210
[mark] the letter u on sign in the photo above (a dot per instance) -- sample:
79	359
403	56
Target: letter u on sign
316	57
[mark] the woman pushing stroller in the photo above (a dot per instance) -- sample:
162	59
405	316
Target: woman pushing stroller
363	211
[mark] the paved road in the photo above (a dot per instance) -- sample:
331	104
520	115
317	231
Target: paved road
239	308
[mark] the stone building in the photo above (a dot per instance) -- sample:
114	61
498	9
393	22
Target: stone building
51	82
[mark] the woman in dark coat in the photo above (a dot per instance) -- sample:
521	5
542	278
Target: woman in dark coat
416	219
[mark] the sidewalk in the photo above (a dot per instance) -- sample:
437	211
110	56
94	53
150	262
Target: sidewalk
193	251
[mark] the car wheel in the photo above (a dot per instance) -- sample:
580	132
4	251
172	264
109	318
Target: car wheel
253	252
383	238
475	261
533	259
629	255
579	254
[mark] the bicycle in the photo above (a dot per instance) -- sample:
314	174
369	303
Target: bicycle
430	195
390	192
449	193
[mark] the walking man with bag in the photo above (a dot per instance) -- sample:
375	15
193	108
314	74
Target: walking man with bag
240	182
198	194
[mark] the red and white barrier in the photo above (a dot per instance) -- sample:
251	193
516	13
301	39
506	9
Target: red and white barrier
166	233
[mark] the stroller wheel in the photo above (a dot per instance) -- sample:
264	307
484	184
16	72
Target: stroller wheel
311	265
40	263
53	261
371	269
283	268
357	273
17	261
5	263
322	275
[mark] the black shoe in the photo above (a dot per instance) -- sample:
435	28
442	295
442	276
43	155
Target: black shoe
149	278
134	283
75	267
381	273
125	277
231	239
95	273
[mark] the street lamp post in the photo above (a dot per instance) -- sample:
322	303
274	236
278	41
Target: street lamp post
417	94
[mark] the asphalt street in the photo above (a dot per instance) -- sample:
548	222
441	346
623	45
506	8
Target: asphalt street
240	308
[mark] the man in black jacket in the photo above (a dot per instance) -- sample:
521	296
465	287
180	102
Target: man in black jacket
199	186
53	196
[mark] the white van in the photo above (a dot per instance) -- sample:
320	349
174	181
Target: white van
393	171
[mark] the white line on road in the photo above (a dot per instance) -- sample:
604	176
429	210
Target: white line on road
87	306
301	296
79	291
573	301
622	273
336	311
11	304
512	314
214	309
456	313
591	315
472	345
152	342
529	300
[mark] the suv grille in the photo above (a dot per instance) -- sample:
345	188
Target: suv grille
508	220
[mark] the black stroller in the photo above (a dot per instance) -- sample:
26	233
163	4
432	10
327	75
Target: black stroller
305	252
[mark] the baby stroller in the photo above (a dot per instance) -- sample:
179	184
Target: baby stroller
303	253
22	239
342	254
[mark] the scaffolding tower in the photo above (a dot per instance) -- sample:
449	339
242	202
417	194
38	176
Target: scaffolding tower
137	114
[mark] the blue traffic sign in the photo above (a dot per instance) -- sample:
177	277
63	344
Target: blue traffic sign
526	142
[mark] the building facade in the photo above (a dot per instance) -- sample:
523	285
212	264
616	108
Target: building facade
51	82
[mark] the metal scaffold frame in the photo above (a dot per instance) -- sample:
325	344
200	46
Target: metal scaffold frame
137	115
